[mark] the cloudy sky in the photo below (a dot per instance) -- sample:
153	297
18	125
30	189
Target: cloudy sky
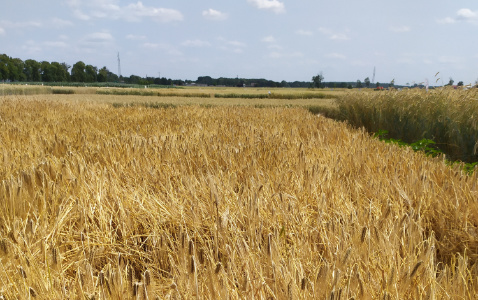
408	41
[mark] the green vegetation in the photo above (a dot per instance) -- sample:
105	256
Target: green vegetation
6	90
63	91
448	117
288	96
149	92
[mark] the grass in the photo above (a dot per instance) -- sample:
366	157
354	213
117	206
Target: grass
223	202
8	90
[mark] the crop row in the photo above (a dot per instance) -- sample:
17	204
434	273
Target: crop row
447	117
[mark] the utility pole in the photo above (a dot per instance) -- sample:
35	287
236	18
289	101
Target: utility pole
373	78
119	67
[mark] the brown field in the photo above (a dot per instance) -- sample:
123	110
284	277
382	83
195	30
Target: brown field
223	202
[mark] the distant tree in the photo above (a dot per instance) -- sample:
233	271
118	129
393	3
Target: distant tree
349	86
46	71
342	85
377	84
78	72
133	79
460	83
91	73
66	67
317	80
32	70
392	83
112	77
284	83
450	82
15	70
102	75
205	80
367	82
59	72
162	81
4	60
359	84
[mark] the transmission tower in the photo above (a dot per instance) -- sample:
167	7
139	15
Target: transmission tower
119	67
373	78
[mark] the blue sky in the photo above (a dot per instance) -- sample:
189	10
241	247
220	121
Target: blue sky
409	41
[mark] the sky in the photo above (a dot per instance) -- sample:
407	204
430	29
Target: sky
405	41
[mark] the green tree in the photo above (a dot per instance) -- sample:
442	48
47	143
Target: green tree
59	72
102	75
112	77
451	81
359	84
367	82
66	67
90	73
392	83
78	72
317	80
4	60
460	83
32	70
15	70
46	72
205	80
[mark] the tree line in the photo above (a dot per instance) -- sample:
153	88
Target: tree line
30	70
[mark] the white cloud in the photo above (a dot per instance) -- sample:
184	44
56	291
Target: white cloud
138	10
278	55
236	44
134	12
93	41
135	37
446	20
336	56
232	46
31	47
100	37
339	36
453	60
400	29
464	14
333	35
20	25
80	15
196	43
163	47
304	32
274	46
57	44
269	39
274	5
215	15
406	61
60	22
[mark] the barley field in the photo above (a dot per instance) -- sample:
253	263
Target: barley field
100	201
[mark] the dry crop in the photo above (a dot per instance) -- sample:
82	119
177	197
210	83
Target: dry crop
223	203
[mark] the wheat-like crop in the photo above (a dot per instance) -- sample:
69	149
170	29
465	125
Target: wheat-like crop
446	116
223	203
